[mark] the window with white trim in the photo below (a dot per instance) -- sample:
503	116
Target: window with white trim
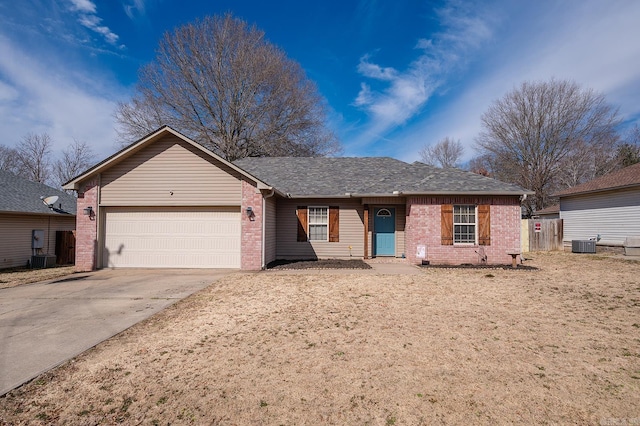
318	223
464	224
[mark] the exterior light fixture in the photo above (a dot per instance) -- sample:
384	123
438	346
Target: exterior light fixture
88	211
249	211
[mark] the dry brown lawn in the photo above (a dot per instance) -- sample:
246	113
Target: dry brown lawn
20	276
556	346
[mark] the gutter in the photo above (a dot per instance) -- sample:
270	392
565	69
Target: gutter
412	193
513	193
55	214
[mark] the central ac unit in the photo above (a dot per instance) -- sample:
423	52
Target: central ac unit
41	261
583	246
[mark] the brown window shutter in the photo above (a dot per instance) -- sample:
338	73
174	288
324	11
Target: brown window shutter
302	223
446	224
334	224
484	225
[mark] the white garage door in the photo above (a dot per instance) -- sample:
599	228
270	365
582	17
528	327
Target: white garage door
172	238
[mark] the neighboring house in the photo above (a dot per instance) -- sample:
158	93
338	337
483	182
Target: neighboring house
166	201
606	209
22	211
551	212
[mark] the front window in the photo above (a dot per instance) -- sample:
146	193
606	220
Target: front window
318	223
464	224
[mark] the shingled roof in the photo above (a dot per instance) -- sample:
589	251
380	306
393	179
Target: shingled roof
18	195
370	176
623	178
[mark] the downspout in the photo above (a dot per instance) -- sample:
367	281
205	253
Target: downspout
264	227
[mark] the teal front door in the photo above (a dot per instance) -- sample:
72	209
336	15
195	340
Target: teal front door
384	231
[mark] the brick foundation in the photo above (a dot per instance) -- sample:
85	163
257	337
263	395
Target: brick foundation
87	227
423	228
251	228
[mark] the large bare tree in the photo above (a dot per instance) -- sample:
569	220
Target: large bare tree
532	133
75	159
222	83
9	161
447	153
34	157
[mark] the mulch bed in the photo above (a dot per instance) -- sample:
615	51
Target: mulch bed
471	266
318	264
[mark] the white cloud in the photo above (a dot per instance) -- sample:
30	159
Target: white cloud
364	96
93	23
134	8
465	27
88	18
370	70
7	92
47	97
590	43
409	90
86	6
424	43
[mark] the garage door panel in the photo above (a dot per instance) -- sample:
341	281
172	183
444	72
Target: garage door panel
172	238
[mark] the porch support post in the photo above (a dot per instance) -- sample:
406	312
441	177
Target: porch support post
366	231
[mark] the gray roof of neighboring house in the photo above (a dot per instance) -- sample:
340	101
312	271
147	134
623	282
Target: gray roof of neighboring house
552	209
337	176
623	178
24	196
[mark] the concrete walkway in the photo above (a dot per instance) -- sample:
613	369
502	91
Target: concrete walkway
45	324
395	268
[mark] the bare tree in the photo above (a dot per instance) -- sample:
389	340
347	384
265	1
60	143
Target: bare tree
629	151
9	160
220	82
586	162
446	153
482	165
74	160
534	130
34	157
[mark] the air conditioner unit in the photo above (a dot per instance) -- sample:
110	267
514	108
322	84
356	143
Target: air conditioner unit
583	246
41	261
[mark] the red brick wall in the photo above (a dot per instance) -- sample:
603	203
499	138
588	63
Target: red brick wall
87	227
423	228
251	228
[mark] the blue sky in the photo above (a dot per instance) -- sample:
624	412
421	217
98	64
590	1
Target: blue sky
396	74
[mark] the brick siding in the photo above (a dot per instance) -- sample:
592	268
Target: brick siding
87	227
423	228
251	228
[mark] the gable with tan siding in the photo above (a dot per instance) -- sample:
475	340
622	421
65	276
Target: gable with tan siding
170	172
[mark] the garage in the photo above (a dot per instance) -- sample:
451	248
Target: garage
171	237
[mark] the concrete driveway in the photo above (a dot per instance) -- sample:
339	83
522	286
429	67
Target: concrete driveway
44	324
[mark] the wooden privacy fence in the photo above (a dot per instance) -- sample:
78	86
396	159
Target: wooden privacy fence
542	234
65	248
